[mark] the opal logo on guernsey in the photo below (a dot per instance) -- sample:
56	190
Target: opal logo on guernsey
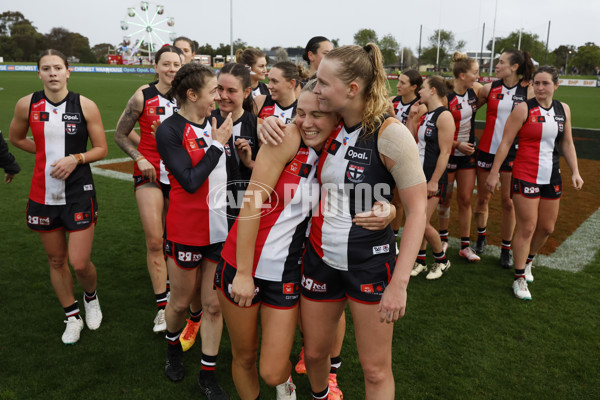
358	155
71	117
313	286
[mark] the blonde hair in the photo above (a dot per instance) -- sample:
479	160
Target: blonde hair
461	63
365	63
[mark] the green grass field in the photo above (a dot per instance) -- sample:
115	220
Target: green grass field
463	337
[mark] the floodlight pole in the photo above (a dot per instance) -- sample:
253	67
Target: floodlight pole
231	30
493	39
547	40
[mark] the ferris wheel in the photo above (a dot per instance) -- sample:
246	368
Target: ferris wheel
146	27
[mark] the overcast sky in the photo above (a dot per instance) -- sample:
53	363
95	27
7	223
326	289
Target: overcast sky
269	23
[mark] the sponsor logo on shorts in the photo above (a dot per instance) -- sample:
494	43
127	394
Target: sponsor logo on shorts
483	164
78	216
45	221
531	189
87	188
187	256
71	117
358	155
313	286
373	288
290	288
33	220
381	249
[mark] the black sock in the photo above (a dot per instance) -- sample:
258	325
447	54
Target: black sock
444	235
161	300
195	316
530	258
89	296
72	311
481	232
464	242
519	273
321	395
506	245
421	257
336	362
208	363
440	257
173	337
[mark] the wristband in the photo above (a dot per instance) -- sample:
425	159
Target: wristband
82	158
139	158
74	158
78	158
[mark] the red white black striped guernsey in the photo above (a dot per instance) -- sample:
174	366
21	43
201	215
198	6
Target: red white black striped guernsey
427	142
271	107
463	108
243	128
58	130
260	89
402	109
156	108
353	178
199	169
500	102
537	159
283	224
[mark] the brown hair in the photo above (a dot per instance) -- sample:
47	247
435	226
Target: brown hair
523	59
190	76
442	85
549	69
243	75
290	71
365	63
185	39
248	56
52	52
415	78
461	63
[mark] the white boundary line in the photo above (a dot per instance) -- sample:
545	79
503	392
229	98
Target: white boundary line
110	173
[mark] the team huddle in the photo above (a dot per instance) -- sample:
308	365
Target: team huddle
326	168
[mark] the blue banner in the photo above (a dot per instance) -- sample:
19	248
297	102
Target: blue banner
107	70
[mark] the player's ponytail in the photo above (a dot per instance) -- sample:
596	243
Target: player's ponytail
364	64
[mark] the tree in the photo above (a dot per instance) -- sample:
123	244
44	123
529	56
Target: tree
206	49
409	60
27	39
562	55
364	36
587	58
335	42
61	40
281	54
7	19
389	49
80	48
447	46
100	51
529	42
